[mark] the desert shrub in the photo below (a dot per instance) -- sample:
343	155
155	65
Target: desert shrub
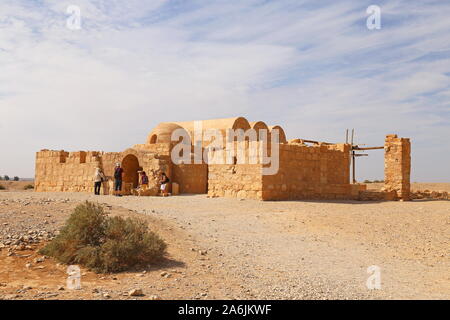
16	178
367	181
104	244
2	187
28	187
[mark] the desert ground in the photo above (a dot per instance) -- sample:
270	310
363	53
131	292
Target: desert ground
222	248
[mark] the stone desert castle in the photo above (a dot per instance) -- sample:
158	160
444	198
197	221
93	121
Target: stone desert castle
306	169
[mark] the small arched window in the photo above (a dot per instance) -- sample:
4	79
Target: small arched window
153	139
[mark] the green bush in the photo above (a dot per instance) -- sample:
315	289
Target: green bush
28	187
104	244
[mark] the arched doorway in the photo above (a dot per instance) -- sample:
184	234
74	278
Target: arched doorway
130	166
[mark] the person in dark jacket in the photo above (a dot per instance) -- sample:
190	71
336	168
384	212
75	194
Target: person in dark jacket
118	173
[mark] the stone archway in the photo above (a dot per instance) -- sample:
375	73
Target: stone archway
130	166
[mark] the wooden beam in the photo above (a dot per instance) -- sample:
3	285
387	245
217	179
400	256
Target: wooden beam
316	142
353	159
368	148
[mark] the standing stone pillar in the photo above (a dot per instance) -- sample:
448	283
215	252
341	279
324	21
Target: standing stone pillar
397	166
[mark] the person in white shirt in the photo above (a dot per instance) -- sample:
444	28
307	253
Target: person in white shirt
99	177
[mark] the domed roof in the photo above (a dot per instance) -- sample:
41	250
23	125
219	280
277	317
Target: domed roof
219	124
282	135
260	125
162	133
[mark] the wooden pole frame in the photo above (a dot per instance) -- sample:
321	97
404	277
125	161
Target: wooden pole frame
353	158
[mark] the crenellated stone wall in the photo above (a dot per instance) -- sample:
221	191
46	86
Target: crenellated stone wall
74	171
65	171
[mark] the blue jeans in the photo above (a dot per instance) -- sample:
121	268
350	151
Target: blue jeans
118	185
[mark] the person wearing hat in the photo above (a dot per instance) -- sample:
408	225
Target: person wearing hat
118	173
99	177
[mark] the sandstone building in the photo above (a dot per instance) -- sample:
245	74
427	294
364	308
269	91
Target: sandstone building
306	171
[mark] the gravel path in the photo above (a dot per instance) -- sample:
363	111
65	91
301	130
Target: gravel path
308	250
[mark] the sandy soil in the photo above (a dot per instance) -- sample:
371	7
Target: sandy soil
279	250
16	185
417	186
186	272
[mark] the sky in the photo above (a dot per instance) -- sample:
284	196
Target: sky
313	67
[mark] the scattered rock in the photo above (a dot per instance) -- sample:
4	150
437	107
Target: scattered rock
39	260
136	293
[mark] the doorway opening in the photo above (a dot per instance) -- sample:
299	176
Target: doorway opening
130	166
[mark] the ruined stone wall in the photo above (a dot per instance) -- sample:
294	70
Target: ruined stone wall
430	195
397	166
375	195
65	171
74	171
311	172
192	178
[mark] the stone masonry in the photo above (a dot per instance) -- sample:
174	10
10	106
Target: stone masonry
317	171
397	166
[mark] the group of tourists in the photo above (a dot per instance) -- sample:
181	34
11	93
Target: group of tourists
99	178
